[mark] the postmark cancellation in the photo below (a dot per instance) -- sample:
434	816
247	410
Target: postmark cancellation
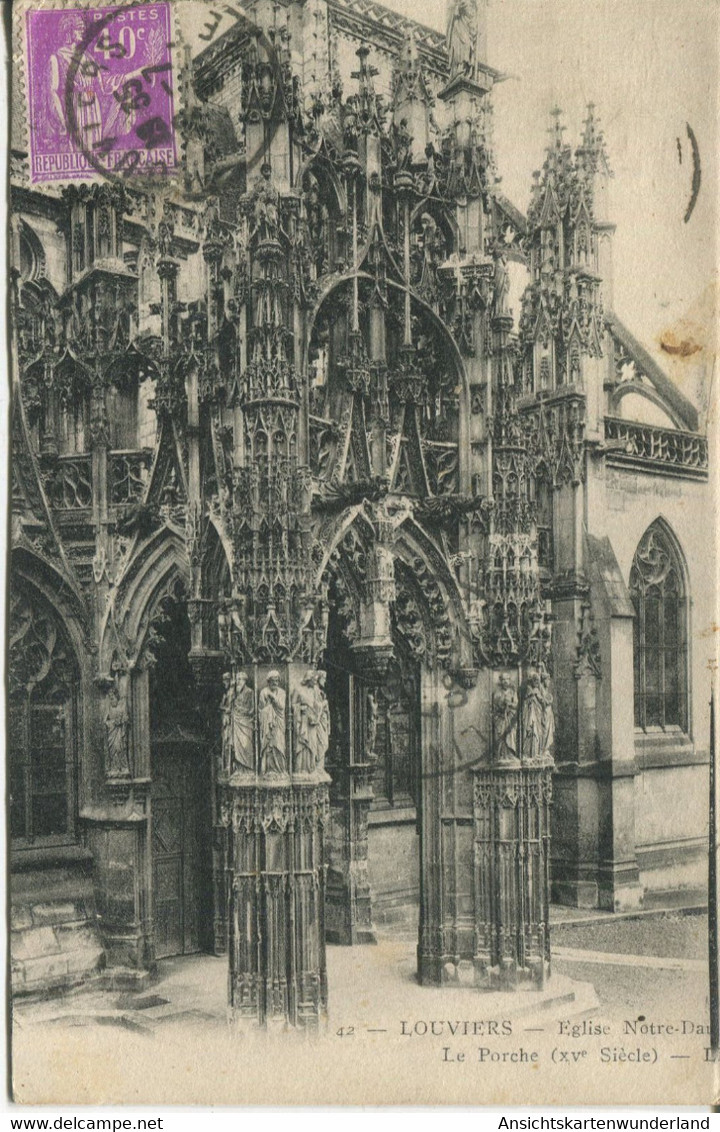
100	90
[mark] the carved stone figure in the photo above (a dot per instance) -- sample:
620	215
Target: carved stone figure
117	728
305	725
533	717
371	714
226	721
502	283
265	215
433	247
462	36
272	703
505	721
403	142
548	734
311	724
237	715
323	721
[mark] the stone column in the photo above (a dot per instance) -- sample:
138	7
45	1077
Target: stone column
207	667
349	913
512	781
511	818
116	823
274	803
276	880
272	784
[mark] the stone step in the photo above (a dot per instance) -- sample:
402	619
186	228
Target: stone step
54	945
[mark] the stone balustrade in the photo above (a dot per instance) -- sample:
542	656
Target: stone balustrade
651	445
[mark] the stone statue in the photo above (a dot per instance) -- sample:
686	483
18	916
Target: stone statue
226	722
323	721
238	711
311	725
505	719
371	714
462	35
502	283
433	248
548	733
266	221
533	718
305	725
403	145
117	729
271	711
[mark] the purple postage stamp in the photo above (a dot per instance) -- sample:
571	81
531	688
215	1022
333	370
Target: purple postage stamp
100	91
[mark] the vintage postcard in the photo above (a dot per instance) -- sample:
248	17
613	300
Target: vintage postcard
361	608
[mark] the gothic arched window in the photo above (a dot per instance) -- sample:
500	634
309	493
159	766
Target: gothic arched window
42	677
122	408
32	255
73	418
544	520
658	594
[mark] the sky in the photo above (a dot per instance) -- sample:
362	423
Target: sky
650	67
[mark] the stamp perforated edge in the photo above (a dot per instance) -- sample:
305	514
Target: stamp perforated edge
20	102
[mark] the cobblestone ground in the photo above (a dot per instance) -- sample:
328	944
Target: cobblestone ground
635	989
674	934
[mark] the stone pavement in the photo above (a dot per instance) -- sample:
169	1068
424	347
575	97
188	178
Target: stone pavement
171	1043
193	989
642	963
368	986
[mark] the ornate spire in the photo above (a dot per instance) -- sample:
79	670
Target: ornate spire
369	105
591	153
410	87
558	154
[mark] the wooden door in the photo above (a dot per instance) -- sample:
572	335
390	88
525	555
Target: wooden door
179	865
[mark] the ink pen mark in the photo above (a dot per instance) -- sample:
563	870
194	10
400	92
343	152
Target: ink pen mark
696	172
679	149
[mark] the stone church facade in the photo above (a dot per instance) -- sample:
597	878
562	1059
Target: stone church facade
329	569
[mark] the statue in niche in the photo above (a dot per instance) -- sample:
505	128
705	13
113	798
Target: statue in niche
238	709
403	145
505	721
548	734
502	283
311	723
324	720
371	720
305	721
271	712
462	35
265	214
317	219
226	721
533	718
117	731
433	246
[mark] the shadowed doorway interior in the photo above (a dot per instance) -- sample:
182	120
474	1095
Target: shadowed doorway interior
374	760
393	835
181	786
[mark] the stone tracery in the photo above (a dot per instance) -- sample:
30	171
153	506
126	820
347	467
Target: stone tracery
342	436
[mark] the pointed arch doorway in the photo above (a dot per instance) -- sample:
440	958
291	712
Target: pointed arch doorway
374	759
181	789
393	821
